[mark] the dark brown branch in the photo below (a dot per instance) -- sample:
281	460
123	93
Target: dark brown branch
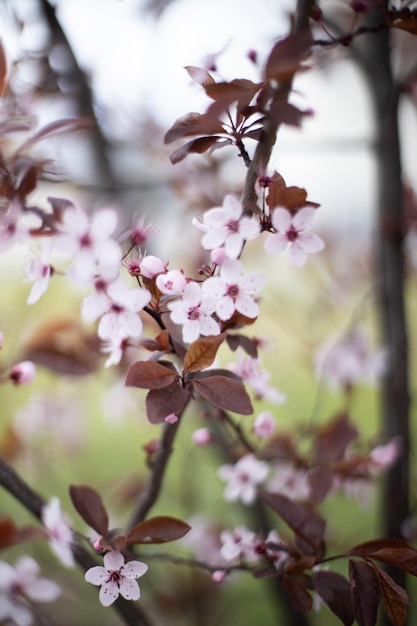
390	280
270	129
131	613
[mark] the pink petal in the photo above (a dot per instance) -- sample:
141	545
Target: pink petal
190	331
304	219
276	243
232	207
192	295
252	283
225	308
214	238
214	287
129	589
109	592
310	242
281	220
233	245
134	569
113	560
249	228
231	271
297	254
96	575
246	305
103	224
208	326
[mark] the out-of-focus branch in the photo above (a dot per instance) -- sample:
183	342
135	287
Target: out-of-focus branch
83	98
131	613
270	129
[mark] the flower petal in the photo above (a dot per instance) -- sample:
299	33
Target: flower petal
96	575
276	243
281	220
310	242
109	592
113	560
304	218
134	569
129	589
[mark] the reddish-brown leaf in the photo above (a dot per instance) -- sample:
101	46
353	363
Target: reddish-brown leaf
334	590
296	590
250	346
285	113
8	531
164	401
60	127
200	75
3	70
240	90
150	375
160	529
393	551
320	481
394	597
224	392
161	343
365	590
185	126
202	353
198	146
90	507
410	26
332	439
307	525
285	57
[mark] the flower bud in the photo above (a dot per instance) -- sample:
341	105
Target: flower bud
22	373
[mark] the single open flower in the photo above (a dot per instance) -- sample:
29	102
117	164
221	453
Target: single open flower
295	231
116	578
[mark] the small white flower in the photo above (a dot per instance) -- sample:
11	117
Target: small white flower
172	283
233	291
194	312
225	226
294	230
116	578
39	271
264	425
239	542
242	478
59	533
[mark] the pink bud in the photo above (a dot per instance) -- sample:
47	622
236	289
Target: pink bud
218	256
22	373
202	437
97	545
218	576
171	418
151	266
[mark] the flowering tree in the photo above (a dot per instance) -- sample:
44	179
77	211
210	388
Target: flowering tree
194	317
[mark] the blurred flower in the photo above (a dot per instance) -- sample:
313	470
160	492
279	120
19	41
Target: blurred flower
89	244
293	230
264	425
239	543
248	368
384	456
11	230
242	478
225	226
139	232
21	584
59	533
202	437
193	311
233	291
116	578
349	361
39	270
289	481
22	373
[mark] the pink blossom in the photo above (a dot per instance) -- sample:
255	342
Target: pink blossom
294	230
264	425
194	312
11	229
39	270
289	481
118	306
239	543
225	226
21	584
172	418
116	578
242	478
218	576
59	533
23	373
233	291
114	346
89	244
202	437
349	361
139	232
151	265
273	544
384	456
218	256
248	368
172	283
